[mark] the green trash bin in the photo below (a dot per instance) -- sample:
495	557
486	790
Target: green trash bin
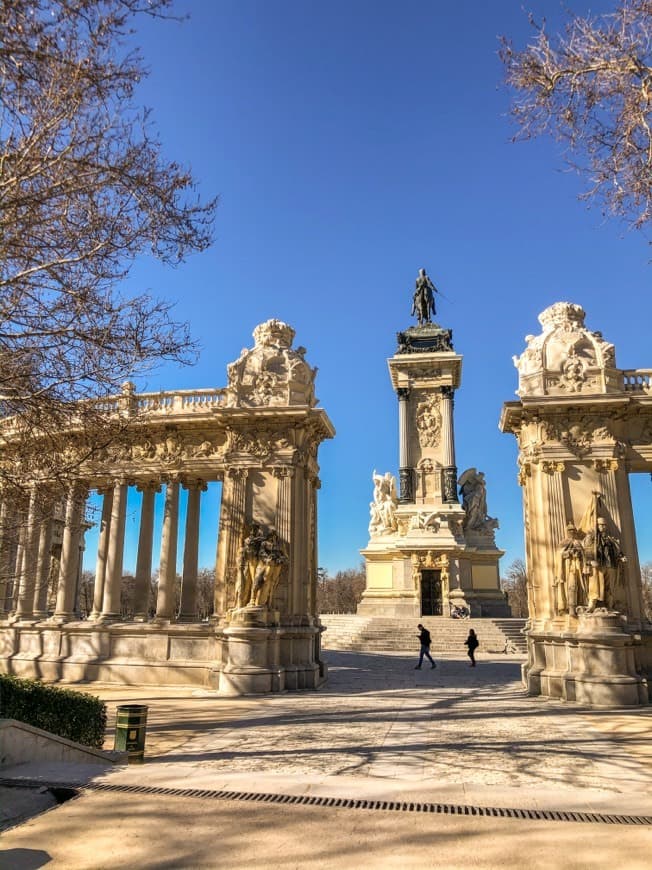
130	728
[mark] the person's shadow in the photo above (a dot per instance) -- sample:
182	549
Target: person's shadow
23	859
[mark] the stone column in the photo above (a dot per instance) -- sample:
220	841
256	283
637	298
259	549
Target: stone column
25	607
284	475
405	470
145	542
19	558
314	560
5	554
188	605
449	471
231	530
102	552
168	561
114	554
72	530
43	566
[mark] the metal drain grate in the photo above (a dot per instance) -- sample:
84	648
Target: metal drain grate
345	803
388	806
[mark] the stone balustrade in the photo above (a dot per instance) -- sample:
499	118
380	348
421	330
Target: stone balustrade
637	381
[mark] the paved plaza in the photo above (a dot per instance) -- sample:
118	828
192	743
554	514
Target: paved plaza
378	731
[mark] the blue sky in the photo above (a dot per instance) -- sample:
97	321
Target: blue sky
350	144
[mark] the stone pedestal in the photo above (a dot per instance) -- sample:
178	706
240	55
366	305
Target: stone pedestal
251	648
593	665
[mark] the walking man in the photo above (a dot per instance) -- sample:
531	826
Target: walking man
424	638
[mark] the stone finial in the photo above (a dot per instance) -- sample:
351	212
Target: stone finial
566	358
562	313
272	373
274	333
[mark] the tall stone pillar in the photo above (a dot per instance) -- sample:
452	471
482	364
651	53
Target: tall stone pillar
115	552
68	572
449	471
102	551
582	426
285	475
188	605
231	531
168	561
143	577
5	554
25	606
314	553
43	565
18	559
405	471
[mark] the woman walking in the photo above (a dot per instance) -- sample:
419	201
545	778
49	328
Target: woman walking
472	643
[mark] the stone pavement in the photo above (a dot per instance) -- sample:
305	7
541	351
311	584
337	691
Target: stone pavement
379	730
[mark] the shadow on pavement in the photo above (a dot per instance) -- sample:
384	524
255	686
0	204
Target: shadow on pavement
23	859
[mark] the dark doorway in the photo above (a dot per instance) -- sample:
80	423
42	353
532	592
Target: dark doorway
431	593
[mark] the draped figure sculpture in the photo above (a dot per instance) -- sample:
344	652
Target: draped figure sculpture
570	586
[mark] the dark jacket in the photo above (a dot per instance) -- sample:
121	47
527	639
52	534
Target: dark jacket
472	642
424	637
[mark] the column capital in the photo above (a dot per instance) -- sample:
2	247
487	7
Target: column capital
448	392
237	473
403	393
194	483
152	485
282	471
172	478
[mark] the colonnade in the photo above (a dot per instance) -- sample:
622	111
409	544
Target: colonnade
26	543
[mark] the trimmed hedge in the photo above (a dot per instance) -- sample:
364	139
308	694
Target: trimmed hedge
68	714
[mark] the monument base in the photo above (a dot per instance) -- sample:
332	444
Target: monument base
599	664
257	653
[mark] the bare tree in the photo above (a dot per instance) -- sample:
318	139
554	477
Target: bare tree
341	593
514	583
85	594
84	191
591	88
205	592
646	581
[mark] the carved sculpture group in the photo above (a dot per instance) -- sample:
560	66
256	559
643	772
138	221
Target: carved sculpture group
262	558
589	571
383	507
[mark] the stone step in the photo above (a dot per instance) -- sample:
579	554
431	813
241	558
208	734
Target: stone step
377	634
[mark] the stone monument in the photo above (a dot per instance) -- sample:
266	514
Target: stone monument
582	427
259	437
427	553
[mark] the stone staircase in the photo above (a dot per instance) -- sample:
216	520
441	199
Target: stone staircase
346	631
